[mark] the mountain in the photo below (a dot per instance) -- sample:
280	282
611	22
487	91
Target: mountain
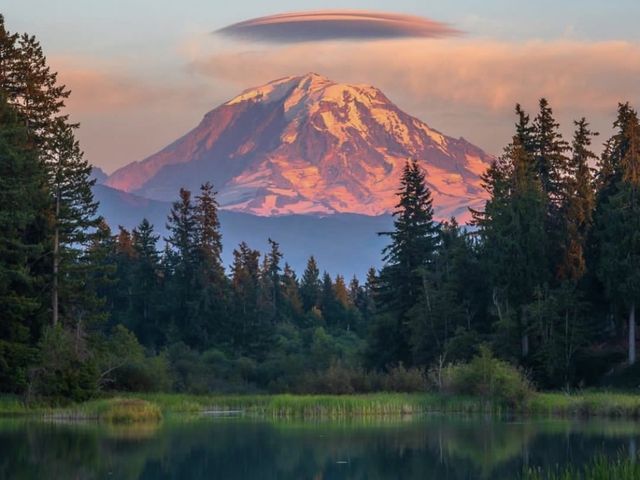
308	145
98	174
345	244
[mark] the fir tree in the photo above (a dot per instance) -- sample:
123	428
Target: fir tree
410	254
182	261
618	221
578	204
251	331
23	196
310	285
145	286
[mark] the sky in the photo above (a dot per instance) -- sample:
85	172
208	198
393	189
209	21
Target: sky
144	72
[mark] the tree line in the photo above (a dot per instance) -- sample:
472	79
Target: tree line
547	276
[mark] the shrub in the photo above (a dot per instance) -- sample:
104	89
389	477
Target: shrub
131	410
65	371
487	377
150	374
401	379
339	379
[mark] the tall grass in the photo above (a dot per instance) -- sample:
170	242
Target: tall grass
112	410
589	404
325	405
604	404
601	468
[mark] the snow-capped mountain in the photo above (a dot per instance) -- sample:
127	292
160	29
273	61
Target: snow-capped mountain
308	145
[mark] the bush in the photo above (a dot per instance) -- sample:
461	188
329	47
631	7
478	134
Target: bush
339	379
401	379
65	371
150	374
487	377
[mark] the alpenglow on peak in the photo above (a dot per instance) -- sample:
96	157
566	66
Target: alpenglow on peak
309	145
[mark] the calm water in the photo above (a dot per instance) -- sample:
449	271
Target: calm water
232	448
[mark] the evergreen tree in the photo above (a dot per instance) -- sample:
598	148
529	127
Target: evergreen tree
618	221
273	281
291	294
578	204
310	285
210	287
410	254
549	154
145	286
23	196
74	223
251	331
182	261
443	310
512	233
208	239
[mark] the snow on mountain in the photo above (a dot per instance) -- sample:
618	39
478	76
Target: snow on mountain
308	145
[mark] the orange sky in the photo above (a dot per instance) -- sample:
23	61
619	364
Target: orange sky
139	90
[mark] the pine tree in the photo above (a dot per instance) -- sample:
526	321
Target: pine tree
578	204
211	285
23	196
251	331
549	154
291	294
74	222
33	90
181	263
272	284
410	254
145	286
208	239
618	221
310	285
513	239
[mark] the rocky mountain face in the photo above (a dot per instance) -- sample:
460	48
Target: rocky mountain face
308	145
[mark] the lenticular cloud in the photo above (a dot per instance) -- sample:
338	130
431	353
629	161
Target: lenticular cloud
335	25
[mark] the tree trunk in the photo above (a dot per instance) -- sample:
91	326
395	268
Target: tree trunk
632	334
56	264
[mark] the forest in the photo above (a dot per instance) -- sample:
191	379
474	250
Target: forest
546	278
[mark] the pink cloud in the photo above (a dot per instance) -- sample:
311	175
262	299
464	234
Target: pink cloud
467	73
336	24
465	87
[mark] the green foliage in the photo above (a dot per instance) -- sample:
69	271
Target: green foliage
65	370
402	281
23	196
487	377
600	468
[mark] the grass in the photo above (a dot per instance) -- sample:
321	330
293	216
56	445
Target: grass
329	406
589	404
130	408
111	410
601	468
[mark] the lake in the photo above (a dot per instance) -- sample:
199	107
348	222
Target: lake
429	446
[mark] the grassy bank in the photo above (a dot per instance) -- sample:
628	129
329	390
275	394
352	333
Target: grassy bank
601	468
117	410
591	404
142	407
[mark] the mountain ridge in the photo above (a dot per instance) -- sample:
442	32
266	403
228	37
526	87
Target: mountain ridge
308	145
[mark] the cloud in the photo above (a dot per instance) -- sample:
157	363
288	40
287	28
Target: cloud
485	74
335	25
463	86
99	87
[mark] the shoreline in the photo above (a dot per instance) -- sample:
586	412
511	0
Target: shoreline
129	408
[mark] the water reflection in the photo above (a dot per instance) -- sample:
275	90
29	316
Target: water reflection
441	447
